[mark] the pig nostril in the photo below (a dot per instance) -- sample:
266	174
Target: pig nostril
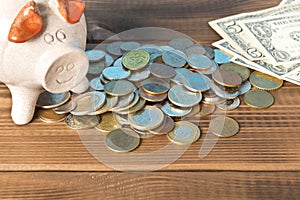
61	35
48	38
70	66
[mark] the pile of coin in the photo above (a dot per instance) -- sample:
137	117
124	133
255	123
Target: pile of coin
137	91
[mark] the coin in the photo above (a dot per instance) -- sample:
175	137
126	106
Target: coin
196	82
199	62
258	99
95	55
49	116
153	50
155	86
227	78
122	120
211	98
103	80
124	101
167	126
244	72
107	123
133	102
162	71
174	111
181	43
118	62
115	73
96	84
138	106
152	98
119	88
221	58
206	109
139	75
224	126
150	117
88	102
96	68
230	104
48	100
181	76
166	48
174	58
264	81
195	49
209	52
245	87
195	110
180	96
111	101
65	108
136	59
82	122
223	93
210	71
122	140
184	133
114	48
128	46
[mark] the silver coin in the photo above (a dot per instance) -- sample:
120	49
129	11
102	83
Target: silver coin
96	68
211	70
139	75
128	46
174	111
121	120
95	55
211	98
48	100
65	108
124	101
103	80
197	82
181	43
230	104
130	105
118	62
222	93
88	102
181	76
182	97
174	58
110	102
209	52
114	48
199	62
245	87
82	122
96	84
167	48
153	50
195	49
115	73
221	58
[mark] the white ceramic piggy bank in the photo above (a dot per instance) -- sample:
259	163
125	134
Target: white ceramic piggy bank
42	46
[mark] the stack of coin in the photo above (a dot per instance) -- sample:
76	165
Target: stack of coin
137	91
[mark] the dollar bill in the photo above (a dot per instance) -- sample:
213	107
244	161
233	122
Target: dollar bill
285	2
278	37
232	32
259	65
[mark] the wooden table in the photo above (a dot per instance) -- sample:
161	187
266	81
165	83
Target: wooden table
42	161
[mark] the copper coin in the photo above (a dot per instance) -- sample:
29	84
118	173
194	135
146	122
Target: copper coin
162	71
152	98
167	126
227	78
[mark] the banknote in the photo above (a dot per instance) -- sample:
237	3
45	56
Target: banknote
232	32
285	2
278	37
259	65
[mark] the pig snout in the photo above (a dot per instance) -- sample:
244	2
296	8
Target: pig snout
63	69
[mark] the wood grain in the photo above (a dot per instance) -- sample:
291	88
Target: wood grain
160	185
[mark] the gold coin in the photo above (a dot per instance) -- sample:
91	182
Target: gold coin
155	86
224	126
264	81
122	140
49	116
111	101
180	96
82	122
258	99
119	88
184	133
244	72
107	123
148	118
136	59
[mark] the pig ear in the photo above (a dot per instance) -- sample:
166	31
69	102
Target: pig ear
71	10
26	25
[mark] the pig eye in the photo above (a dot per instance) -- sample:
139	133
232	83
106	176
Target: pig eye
60	35
60	69
48	38
26	25
70	66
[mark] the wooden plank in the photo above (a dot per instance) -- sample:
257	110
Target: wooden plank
268	140
189	17
172	185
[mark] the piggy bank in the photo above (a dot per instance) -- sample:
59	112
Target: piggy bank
42	46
